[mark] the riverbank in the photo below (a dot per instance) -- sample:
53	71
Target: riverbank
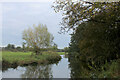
59	70
13	59
61	53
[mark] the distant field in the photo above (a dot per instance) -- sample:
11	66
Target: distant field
61	53
26	57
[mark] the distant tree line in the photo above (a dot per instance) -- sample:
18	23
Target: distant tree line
24	48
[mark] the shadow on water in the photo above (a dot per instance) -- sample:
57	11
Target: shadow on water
78	69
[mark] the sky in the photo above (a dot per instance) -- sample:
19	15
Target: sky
17	16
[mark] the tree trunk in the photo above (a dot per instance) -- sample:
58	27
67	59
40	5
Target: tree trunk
36	52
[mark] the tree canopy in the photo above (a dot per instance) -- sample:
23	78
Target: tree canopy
96	30
38	37
76	12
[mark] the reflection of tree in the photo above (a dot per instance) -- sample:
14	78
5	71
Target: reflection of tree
78	69
40	71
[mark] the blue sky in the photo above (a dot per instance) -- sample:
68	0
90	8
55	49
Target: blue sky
18	16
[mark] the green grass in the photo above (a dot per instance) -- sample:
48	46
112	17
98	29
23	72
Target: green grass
0	56
26	57
61	53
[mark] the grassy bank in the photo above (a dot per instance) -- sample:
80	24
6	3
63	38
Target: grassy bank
24	58
0	56
61	53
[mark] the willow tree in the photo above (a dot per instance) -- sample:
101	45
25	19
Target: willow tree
37	38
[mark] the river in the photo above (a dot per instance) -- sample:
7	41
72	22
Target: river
59	70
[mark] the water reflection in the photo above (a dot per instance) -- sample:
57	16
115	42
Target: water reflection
78	69
60	70
64	69
39	71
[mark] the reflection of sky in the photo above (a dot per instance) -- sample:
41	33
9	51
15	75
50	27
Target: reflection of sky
11	73
19	16
0	74
61	70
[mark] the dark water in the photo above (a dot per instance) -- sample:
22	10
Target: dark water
60	70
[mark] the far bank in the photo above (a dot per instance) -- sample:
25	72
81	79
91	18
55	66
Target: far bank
14	59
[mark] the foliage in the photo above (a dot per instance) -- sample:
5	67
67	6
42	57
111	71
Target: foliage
18	48
95	43
76	12
111	70
23	46
108	70
75	37
101	40
66	49
10	47
38	37
96	31
53	47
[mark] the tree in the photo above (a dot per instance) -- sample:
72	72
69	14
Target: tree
76	12
97	41
18	48
23	46
96	35
55	47
38	37
10	47
66	49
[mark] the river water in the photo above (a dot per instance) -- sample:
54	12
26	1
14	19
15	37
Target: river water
59	70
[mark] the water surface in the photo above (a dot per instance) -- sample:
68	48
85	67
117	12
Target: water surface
60	70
